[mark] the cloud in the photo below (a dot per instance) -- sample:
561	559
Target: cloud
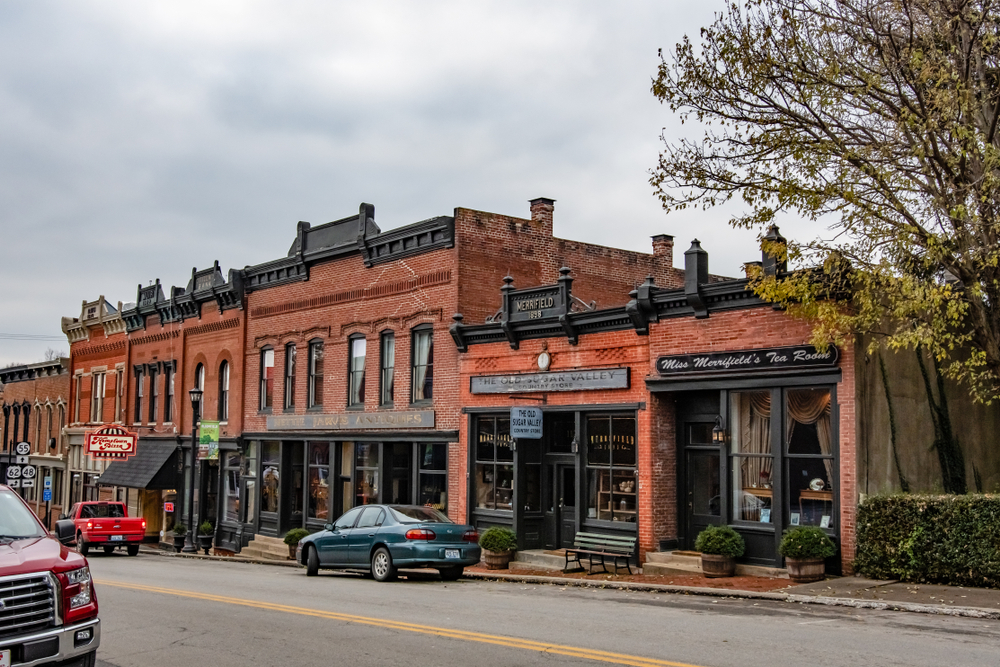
141	139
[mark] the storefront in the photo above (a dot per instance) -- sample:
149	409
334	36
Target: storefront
309	469
758	434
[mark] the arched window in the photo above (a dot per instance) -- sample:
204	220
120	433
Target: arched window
38	428
266	378
290	376
48	418
224	391
315	373
199	376
387	363
356	371
422	371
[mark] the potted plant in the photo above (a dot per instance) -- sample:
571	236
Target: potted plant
806	549
292	538
720	546
205	534
180	531
498	545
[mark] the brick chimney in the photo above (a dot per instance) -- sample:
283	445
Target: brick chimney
663	250
541	215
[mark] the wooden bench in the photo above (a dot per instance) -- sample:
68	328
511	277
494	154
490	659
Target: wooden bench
595	546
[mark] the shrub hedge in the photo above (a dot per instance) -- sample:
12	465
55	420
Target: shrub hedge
721	540
932	539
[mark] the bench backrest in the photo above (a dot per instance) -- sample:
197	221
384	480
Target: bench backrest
609	543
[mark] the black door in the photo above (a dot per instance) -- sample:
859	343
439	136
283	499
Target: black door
565	504
702	488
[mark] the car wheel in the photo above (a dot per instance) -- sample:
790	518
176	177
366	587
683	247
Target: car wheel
82	546
451	573
312	562
382	567
108	549
133	549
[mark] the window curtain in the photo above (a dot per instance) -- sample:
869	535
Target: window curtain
807	406
421	353
755	438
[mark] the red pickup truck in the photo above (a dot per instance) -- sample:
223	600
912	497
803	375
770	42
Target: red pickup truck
48	607
106	525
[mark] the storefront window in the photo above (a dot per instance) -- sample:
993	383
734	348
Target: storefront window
611	468
401	458
232	463
494	483
249	473
530	451
270	476
750	455
810	457
433	460
366	473
319	480
346	473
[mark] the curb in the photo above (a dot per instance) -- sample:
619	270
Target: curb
966	612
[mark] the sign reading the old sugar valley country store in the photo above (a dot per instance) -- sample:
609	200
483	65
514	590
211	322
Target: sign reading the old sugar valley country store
601	378
799	356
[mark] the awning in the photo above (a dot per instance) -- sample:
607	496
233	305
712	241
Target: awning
154	466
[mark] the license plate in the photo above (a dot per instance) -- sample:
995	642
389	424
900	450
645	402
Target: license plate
5	658
117	538
452	553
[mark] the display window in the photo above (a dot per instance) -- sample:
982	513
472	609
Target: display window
611	468
433	480
494	481
319	480
751	459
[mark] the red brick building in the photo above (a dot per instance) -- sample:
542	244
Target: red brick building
34	401
690	405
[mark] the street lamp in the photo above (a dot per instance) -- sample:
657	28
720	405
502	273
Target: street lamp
196	393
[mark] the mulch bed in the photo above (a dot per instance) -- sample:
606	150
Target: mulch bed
759	584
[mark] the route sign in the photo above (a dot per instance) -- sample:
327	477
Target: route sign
22	449
13	483
28	472
22	460
13	472
25	483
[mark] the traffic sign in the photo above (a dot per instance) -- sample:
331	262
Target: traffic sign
13	483
47	495
25	483
22	448
28	472
22	460
48	482
13	472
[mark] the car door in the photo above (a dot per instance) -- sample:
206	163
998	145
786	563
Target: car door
362	537
331	547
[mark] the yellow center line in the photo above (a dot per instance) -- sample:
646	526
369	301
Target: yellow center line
511	642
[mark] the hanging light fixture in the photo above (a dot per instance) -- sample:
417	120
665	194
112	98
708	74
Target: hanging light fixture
718	432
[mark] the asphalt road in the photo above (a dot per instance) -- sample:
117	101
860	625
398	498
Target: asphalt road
160	611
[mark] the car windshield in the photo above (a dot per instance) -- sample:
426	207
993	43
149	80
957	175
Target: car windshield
16	520
406	514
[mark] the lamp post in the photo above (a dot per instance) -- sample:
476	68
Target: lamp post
189	545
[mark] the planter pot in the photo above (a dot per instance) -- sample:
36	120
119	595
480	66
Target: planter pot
716	565
178	542
291	550
497	560
806	570
205	542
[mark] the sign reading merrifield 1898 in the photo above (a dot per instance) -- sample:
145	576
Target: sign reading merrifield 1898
352	420
799	356
602	378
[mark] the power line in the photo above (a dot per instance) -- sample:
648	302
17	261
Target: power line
21	336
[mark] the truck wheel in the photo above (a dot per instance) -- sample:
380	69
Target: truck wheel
132	549
312	562
108	549
82	546
382	567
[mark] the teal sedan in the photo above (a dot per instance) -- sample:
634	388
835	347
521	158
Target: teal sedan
383	538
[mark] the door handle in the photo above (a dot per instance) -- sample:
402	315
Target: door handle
371	534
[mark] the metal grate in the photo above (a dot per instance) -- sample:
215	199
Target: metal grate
29	604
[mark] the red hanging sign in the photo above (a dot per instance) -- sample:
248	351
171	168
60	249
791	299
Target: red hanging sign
110	442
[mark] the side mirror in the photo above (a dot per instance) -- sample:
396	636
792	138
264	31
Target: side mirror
329	527
65	531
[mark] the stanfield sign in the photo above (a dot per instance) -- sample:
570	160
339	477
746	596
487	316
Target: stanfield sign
352	421
581	380
797	356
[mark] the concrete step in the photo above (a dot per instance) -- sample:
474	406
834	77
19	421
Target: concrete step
266	548
538	559
689	562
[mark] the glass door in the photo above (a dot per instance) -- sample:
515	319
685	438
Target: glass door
702	480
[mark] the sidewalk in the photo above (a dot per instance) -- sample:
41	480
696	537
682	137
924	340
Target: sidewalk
856	592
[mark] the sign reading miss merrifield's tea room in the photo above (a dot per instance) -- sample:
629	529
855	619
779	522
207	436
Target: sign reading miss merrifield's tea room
799	356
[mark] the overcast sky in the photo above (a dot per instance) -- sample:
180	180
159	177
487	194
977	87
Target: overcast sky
140	139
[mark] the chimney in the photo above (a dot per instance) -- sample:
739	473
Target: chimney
751	269
773	265
696	275
541	215
663	249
